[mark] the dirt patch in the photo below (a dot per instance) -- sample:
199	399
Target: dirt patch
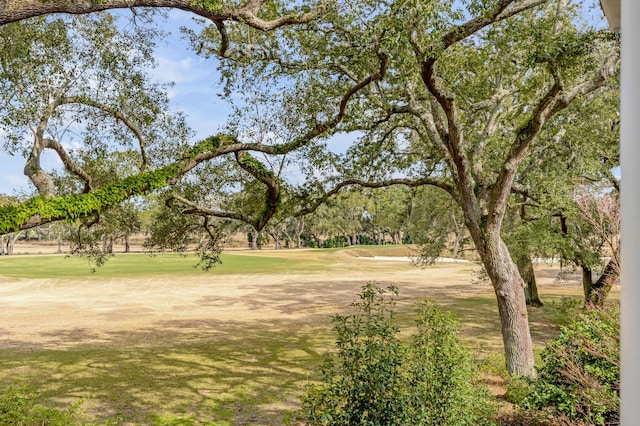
56	313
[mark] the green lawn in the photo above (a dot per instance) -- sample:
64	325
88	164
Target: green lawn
135	265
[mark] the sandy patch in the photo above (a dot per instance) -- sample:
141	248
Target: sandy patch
410	259
58	313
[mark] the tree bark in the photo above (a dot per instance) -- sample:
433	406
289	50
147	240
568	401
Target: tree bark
525	268
11	239
127	245
254	239
509	289
587	281
600	289
595	293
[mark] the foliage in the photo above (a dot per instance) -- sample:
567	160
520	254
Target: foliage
19	407
579	381
374	378
80	205
436	224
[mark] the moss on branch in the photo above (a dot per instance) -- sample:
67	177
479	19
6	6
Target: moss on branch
40	210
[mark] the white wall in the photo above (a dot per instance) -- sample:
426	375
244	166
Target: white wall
630	188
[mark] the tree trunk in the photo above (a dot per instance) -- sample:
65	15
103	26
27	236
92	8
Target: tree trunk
600	289
587	282
2	237
127	245
254	239
595	294
12	238
525	268
395	237
512	306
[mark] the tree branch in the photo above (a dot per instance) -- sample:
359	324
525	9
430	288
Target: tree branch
196	209
266	177
555	100
380	184
69	165
214	10
118	116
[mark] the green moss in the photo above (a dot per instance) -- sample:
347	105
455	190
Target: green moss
72	207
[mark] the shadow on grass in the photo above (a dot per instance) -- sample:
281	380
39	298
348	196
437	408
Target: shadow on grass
251	376
234	372
480	322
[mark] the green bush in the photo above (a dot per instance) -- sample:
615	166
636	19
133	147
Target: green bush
579	381
374	378
19	407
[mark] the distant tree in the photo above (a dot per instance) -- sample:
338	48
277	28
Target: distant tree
436	225
598	227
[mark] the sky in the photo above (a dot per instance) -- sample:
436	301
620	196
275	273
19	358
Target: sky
194	93
195	89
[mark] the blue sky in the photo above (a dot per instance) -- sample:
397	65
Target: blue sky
194	93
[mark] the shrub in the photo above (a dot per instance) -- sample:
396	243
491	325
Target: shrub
19	407
374	378
579	381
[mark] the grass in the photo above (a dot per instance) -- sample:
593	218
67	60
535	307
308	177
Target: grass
136	265
254	375
243	373
256	379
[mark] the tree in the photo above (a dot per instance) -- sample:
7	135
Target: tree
390	212
436	224
546	220
171	167
599	225
96	93
464	100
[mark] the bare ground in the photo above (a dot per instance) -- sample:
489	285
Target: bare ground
57	313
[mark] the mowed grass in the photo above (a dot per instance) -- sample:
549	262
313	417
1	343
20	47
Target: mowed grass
136	265
228	373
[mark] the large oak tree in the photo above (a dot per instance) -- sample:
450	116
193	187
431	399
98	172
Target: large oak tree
470	91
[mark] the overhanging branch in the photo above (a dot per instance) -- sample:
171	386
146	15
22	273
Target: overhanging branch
214	10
